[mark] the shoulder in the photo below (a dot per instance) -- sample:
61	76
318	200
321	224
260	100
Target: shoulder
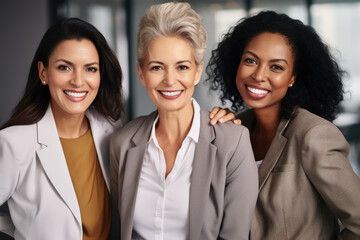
138	124
96	118
226	134
19	134
315	135
304	122
18	142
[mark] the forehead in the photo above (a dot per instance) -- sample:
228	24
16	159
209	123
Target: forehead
274	44
169	47
75	48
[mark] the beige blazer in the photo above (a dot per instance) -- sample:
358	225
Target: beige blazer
36	183
306	183
224	181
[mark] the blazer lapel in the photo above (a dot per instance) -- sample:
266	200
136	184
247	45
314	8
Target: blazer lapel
273	153
133	164
101	130
53	161
201	175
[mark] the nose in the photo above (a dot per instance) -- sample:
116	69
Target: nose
170	77
77	78
260	73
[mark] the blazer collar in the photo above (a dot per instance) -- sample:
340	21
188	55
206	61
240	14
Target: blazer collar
275	150
203	165
132	172
100	129
200	179
53	161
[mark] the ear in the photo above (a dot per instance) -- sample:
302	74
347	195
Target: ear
140	73
42	72
198	73
292	80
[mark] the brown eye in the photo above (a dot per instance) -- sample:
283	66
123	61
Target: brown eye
250	60
156	68
63	67
92	69
277	67
183	67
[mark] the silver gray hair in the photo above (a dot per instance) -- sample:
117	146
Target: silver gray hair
171	19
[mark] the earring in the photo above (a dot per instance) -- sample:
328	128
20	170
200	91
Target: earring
44	82
290	85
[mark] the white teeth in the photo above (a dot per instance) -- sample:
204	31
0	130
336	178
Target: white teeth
170	94
75	94
257	91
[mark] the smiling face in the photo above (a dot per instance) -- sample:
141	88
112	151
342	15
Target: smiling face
169	73
265	71
73	76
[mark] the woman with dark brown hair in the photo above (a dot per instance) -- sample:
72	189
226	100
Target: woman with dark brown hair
54	167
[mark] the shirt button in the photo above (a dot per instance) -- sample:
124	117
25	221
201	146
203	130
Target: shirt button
158	232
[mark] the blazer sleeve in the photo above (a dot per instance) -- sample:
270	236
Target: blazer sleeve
241	191
9	173
324	161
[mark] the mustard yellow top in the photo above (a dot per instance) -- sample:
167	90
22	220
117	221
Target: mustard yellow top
89	184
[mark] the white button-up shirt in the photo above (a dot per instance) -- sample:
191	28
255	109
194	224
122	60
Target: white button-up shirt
162	204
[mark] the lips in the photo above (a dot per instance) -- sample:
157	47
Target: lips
171	94
75	94
256	93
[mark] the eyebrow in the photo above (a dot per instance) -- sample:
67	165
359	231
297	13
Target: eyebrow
272	60
70	63
178	62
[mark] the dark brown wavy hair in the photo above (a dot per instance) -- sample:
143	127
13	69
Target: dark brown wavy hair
35	100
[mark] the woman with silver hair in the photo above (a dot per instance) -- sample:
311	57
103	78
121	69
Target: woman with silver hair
174	175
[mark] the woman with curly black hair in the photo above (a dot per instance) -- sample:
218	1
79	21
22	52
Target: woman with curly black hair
282	70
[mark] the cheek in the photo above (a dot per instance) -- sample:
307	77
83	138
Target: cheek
282	82
151	81
95	83
239	79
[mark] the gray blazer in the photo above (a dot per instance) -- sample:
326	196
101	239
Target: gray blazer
306	183
224	180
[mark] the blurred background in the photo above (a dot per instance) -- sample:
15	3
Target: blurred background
23	23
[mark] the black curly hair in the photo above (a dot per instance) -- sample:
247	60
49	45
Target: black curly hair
318	86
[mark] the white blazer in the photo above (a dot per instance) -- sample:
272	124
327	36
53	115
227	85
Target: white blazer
36	183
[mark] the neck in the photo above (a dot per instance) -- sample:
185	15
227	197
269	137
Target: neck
174	126
72	126
267	122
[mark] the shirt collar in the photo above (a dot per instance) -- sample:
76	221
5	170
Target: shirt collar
195	125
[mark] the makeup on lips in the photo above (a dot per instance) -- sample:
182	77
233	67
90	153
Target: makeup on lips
75	96
256	93
170	94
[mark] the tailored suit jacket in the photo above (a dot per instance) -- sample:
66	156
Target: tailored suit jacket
36	183
306	183
224	178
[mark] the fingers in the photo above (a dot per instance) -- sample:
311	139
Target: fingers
221	115
237	121
214	111
229	116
